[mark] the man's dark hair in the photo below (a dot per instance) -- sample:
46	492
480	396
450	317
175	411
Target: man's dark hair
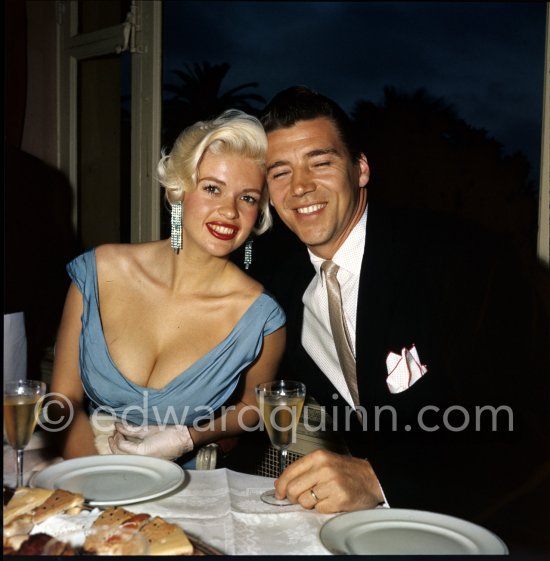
299	103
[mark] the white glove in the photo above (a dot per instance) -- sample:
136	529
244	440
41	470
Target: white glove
167	442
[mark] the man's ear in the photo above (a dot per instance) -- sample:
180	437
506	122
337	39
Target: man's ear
364	170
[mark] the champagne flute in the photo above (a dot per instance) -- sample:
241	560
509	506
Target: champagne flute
22	405
281	404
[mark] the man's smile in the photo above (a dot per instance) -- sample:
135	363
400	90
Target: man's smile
311	208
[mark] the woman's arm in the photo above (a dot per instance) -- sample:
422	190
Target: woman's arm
78	438
244	413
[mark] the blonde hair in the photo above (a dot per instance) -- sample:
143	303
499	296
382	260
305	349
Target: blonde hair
233	132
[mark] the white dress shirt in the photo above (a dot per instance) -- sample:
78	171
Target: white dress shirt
316	334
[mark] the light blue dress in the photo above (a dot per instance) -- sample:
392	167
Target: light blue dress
197	392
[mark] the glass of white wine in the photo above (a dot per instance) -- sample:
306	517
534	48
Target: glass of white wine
22	405
280	404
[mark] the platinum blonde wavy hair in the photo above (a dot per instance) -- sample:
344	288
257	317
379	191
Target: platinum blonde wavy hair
233	132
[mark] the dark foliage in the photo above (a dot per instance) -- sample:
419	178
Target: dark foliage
199	96
423	155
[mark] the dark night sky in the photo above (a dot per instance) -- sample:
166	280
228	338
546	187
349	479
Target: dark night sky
486	59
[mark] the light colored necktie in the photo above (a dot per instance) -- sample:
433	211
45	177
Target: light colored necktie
339	329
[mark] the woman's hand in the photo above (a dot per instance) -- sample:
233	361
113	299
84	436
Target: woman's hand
167	442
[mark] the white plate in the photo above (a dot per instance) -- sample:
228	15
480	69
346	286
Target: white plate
392	531
113	479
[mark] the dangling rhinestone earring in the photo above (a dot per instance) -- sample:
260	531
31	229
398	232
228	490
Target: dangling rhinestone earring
175	226
248	253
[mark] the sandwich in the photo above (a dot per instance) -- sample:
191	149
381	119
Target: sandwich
24	501
165	538
29	506
112	526
162	537
113	530
58	502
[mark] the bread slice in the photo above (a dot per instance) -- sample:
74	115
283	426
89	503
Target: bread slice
59	501
136	522
24	501
21	525
165	538
17	529
109	521
116	534
113	516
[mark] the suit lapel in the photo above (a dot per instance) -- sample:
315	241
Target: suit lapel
381	290
375	305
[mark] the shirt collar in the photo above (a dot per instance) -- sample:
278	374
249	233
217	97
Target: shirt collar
347	255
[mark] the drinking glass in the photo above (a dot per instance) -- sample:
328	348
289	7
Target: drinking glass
280	404
22	405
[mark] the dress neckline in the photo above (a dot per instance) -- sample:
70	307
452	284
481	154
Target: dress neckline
193	365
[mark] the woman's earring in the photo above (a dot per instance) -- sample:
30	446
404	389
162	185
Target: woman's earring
175	226
248	253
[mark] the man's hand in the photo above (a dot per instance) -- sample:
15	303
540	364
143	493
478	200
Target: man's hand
161	442
340	483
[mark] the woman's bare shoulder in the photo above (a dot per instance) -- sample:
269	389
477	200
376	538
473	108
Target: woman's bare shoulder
247	286
123	257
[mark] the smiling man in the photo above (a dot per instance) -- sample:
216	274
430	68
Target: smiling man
405	328
309	180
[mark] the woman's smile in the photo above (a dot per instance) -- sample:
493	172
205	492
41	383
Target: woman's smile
222	230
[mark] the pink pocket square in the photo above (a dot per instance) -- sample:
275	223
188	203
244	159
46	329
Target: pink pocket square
404	369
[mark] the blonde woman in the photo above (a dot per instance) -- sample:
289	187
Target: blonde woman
163	333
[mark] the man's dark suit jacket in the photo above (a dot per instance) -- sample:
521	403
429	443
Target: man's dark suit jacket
460	297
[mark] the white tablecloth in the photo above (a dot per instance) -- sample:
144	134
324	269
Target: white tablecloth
222	507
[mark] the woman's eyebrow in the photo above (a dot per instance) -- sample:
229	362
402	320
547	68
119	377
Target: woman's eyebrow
211	178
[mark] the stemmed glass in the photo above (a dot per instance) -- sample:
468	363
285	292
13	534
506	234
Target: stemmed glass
22	405
280	404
